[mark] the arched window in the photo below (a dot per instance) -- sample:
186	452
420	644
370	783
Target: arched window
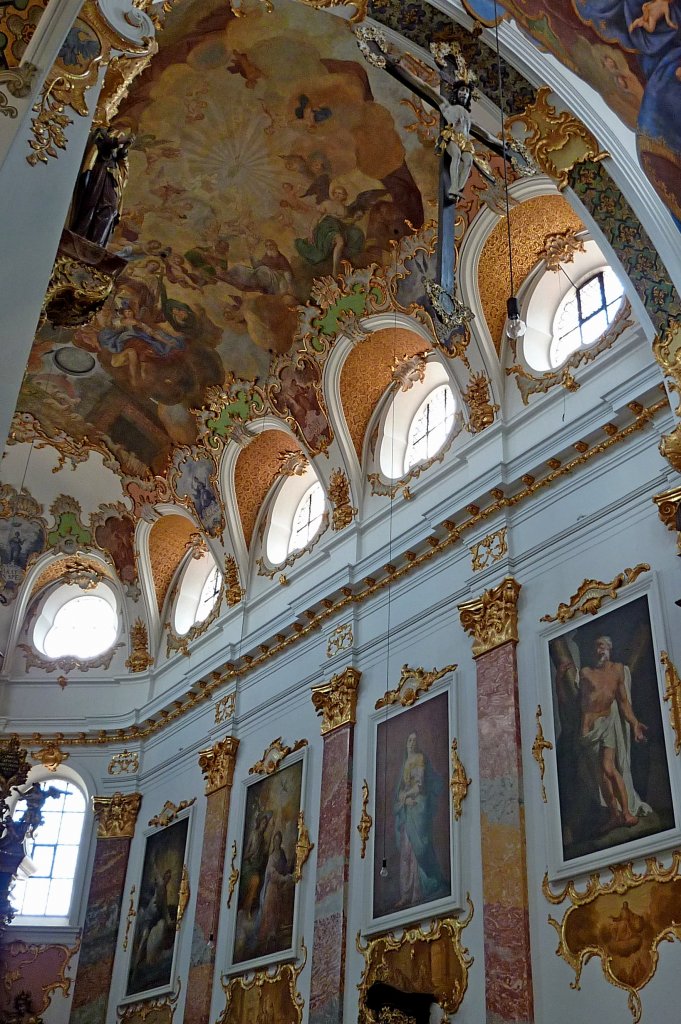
307	518
77	624
430	427
295	517
585	314
45	884
198	593
418	422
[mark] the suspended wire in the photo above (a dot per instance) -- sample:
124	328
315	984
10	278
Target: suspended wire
503	144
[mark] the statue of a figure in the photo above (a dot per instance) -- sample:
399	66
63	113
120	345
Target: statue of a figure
96	206
453	102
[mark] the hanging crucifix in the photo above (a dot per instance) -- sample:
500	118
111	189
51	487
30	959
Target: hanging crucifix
454	144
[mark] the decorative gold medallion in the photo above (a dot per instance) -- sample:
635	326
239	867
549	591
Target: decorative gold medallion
591	594
170	813
492	620
273	755
366	821
538	747
336	701
51	756
303	847
459	782
413	683
622	922
433	962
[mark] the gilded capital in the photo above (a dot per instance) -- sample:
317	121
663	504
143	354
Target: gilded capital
668	504
492	620
116	815
217	763
336	701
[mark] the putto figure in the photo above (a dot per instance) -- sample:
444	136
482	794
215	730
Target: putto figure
97	199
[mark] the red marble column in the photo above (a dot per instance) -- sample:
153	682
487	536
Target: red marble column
335	702
217	765
116	817
492	621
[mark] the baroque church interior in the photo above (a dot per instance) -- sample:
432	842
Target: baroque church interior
340	511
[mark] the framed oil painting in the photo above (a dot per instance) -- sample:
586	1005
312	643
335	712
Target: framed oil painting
266	915
611	791
414	866
153	950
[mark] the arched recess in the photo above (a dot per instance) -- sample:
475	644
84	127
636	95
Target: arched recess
162	548
47	572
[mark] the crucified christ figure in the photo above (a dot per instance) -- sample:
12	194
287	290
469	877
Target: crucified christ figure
453	102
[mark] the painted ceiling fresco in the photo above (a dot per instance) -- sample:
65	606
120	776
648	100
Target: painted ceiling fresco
266	154
630	52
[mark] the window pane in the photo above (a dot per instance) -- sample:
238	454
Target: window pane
65	862
71	827
590	297
17	894
35	896
308	517
83	627
594	328
48	832
613	288
42	857
430	427
59	898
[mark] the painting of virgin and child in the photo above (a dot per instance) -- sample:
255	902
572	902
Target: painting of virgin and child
264	929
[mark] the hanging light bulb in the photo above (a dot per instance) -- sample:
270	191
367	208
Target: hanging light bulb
384	869
515	327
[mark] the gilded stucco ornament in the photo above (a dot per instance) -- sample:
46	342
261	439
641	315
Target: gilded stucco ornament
492	620
170	813
217	763
672	694
23	955
130	917
233	875
303	848
389	488
18	83
67	663
667	351
591	594
409	370
265	995
336	701
538	747
359	7
560	248
490	549
224	708
270	571
481	409
140	659
183	896
339	493
82	279
273	755
459	782
622	922
433	962
365	821
116	815
340	639
156	1011
556	140
127	762
668	504
414	682
51	756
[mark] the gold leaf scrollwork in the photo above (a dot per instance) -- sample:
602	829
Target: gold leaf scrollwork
273	755
224	708
489	550
217	763
233	876
481	409
538	747
116	815
158	1011
265	995
366	821
51	756
459	782
360	7
621	921
559	248
140	659
672	694
591	594
340	639
170	813
339	493
303	848
433	962
413	683
492	619
131	915
556	141
183	896
336	701
126	762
